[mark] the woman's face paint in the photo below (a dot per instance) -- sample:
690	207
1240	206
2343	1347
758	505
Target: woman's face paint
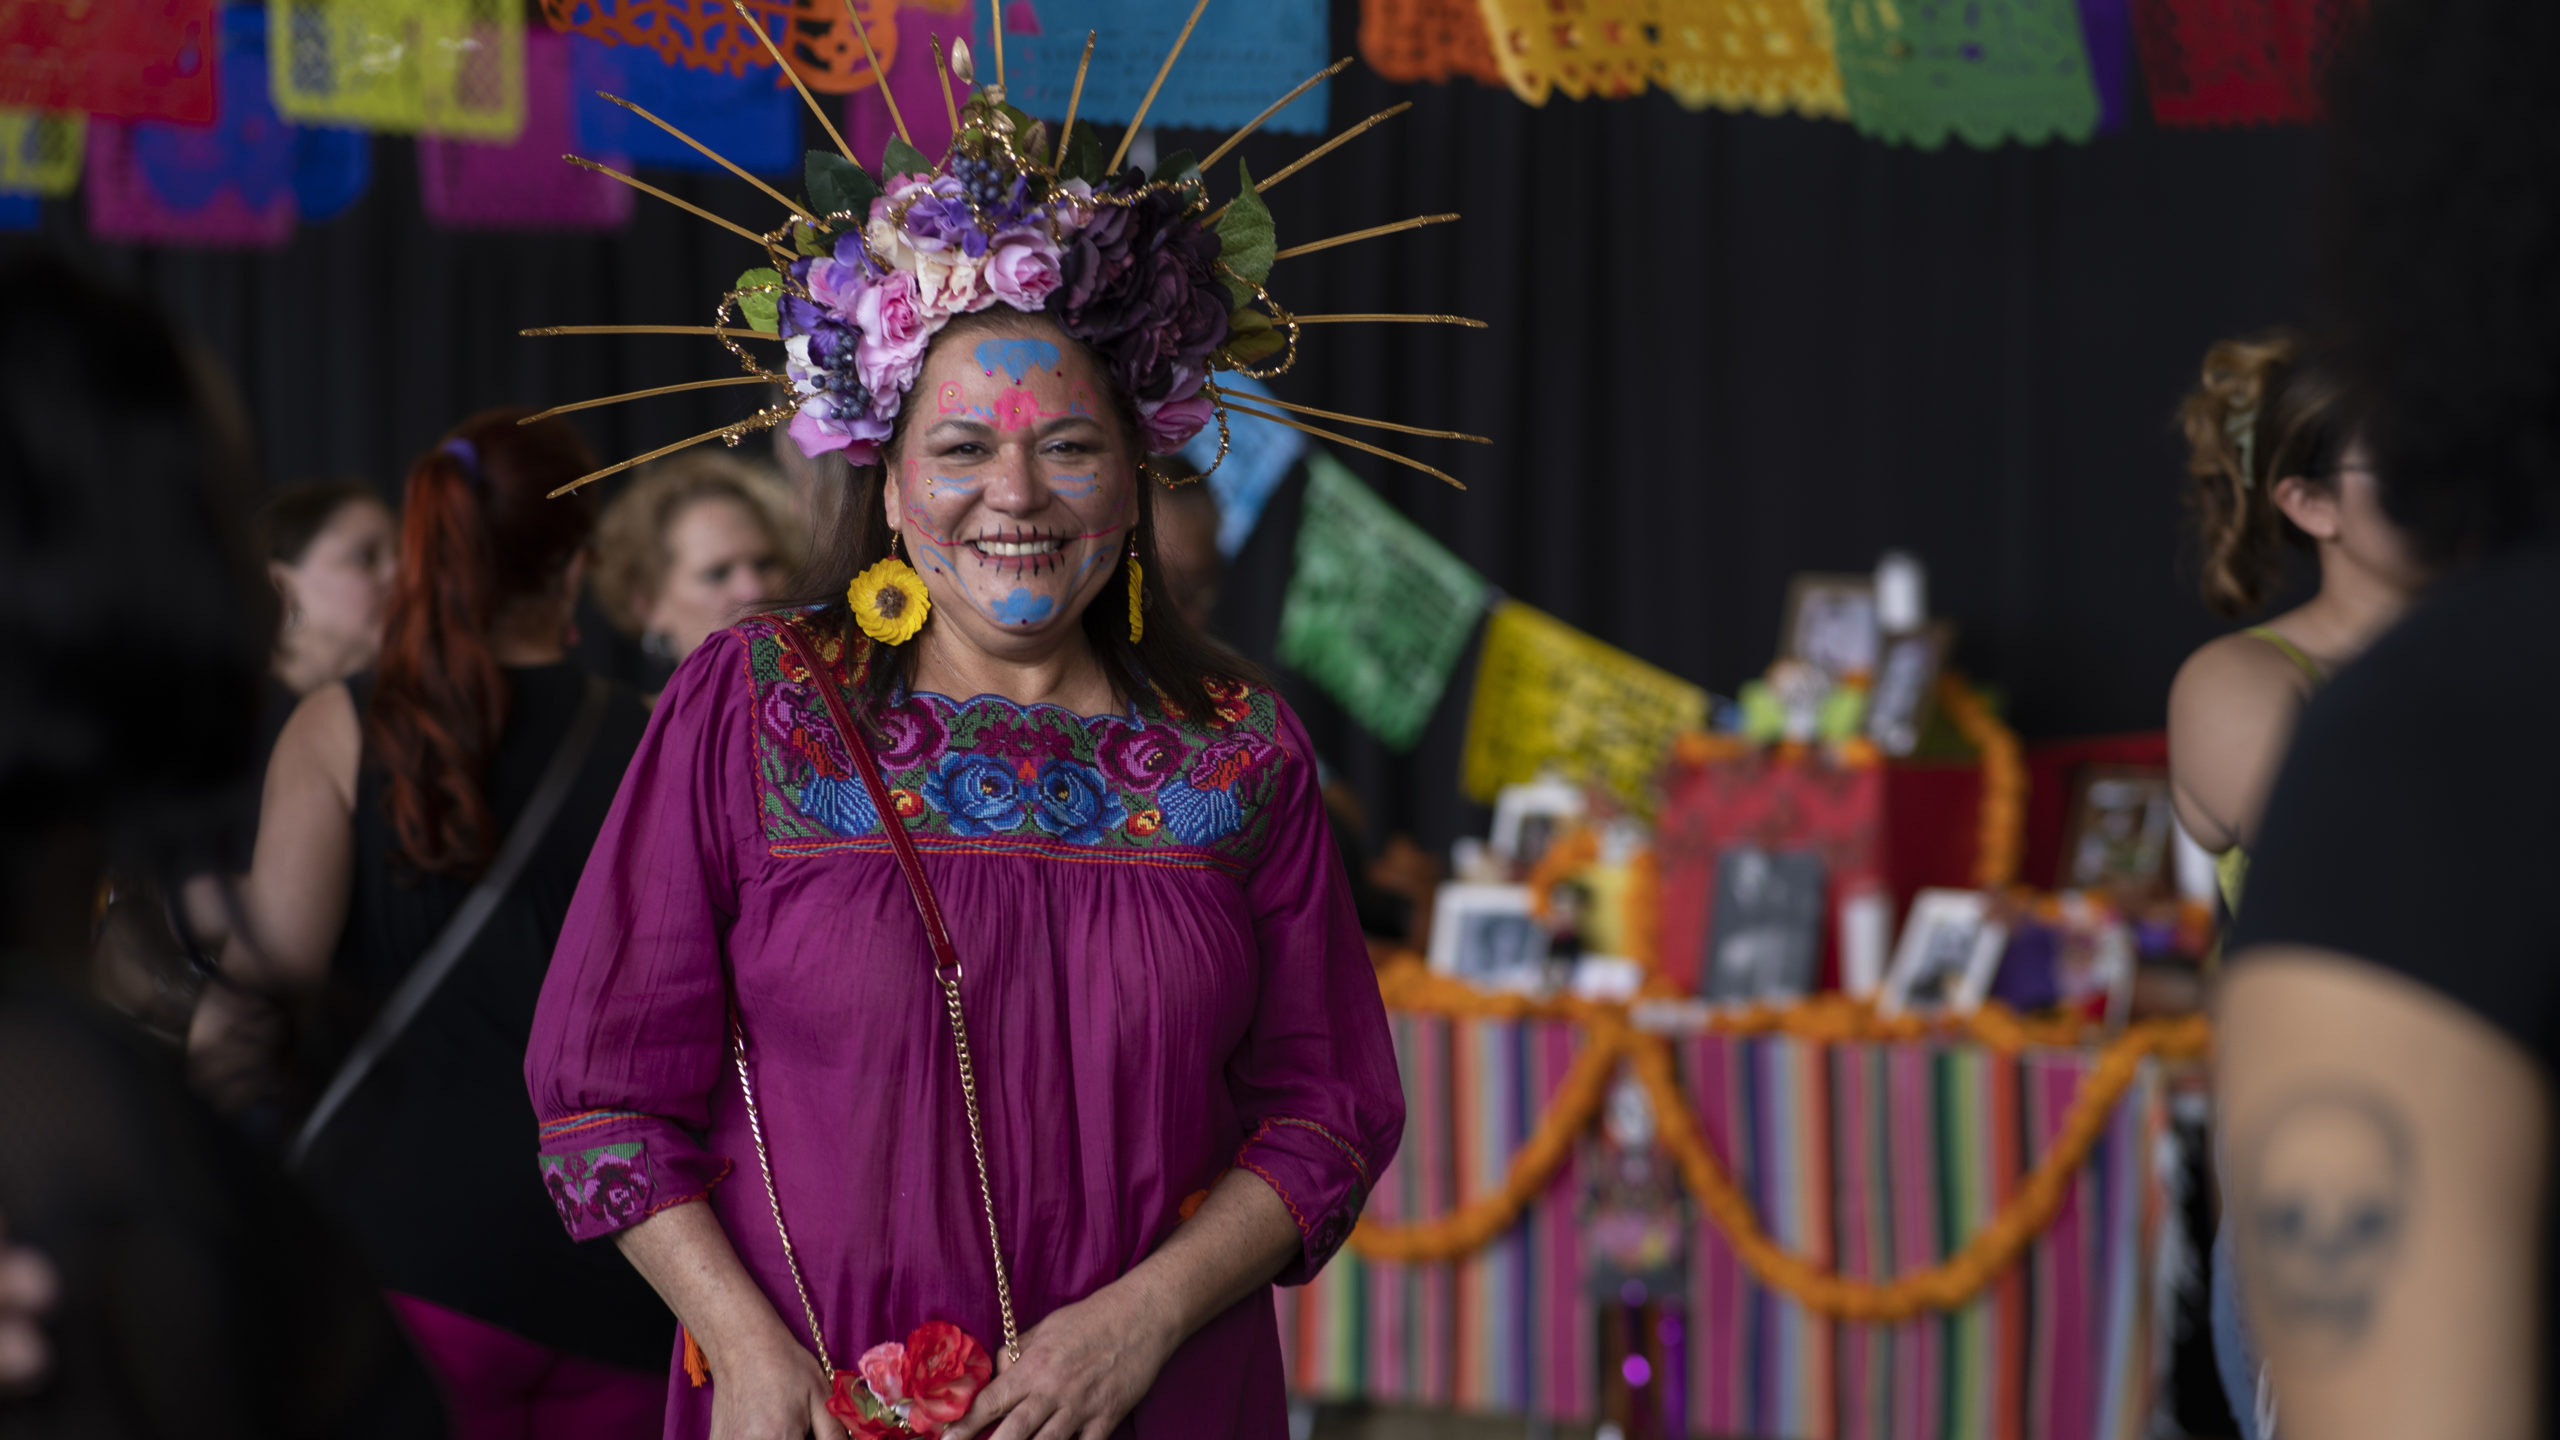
1013	487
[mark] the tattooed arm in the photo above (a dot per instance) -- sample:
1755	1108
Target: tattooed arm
2385	1153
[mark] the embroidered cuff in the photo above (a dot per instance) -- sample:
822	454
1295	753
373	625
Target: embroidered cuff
1322	1178
608	1170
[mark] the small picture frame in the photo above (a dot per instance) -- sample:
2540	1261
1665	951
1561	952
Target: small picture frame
1527	819
1906	686
1765	943
1486	935
2122	834
1831	624
1950	950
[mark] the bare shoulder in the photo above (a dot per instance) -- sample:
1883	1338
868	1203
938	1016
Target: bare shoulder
322	740
2236	674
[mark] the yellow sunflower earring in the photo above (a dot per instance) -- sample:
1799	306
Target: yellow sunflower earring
1137	593
889	600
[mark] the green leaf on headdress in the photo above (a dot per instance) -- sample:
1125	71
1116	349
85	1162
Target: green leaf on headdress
1176	165
1251	335
1022	121
1246	240
837	185
901	158
1084	157
808	241
760	299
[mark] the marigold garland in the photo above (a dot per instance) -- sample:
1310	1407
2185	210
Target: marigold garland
1827	1019
2003	818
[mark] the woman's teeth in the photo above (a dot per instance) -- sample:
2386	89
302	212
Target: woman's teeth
1014	549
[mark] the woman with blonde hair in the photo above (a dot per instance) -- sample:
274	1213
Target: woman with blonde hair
2275	459
697	542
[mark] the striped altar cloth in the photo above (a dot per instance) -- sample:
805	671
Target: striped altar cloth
1877	1159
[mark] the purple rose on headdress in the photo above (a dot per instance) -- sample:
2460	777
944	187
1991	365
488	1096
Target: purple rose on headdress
941	219
894	333
1171	423
832	284
1140	757
1141	286
1022	269
909	733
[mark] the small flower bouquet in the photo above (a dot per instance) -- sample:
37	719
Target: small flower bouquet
916	1389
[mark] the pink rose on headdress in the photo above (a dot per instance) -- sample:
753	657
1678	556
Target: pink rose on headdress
1022	268
895	333
1172	423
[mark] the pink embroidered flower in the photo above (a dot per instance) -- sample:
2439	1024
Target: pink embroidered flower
909	733
1140	757
1022	268
622	1189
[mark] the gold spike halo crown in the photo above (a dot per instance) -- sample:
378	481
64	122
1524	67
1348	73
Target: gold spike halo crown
864	273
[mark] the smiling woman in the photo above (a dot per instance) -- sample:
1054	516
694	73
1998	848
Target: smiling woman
1184	1085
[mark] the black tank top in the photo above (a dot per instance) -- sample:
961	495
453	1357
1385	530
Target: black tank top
431	1163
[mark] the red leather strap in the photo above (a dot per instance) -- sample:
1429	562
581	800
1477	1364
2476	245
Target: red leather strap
928	909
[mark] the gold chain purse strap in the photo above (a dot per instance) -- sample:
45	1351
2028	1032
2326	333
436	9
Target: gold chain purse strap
946	971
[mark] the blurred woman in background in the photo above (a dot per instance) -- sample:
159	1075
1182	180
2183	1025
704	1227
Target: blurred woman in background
391	799
158	1278
331	550
693	545
2274	459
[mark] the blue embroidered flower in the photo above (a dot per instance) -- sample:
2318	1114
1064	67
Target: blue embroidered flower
1075	804
843	806
979	794
1199	817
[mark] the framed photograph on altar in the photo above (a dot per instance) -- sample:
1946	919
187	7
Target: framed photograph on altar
1950	950
1486	935
1528	818
1831	624
1906	686
2122	833
1765	942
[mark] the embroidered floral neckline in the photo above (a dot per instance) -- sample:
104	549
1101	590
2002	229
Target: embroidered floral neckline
991	774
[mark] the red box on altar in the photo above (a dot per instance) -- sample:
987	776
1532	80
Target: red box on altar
1903	826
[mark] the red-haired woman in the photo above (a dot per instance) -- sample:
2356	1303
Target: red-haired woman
390	798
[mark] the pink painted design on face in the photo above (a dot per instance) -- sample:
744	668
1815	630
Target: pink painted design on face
1019	409
947	400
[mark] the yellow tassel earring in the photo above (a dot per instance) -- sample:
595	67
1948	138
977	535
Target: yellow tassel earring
889	600
1137	593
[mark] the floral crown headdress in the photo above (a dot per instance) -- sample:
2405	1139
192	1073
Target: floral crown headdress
1166	289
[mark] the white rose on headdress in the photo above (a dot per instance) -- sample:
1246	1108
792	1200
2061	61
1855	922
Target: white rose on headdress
949	283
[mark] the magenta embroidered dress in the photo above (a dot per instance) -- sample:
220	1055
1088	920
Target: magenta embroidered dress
1161	970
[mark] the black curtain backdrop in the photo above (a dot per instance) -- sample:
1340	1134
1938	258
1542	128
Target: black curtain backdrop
1724	349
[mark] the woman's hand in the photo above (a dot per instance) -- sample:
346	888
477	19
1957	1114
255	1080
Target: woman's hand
1082	1371
771	1390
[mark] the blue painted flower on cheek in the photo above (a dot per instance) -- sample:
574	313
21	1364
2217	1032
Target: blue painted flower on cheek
980	794
1074	802
843	806
1022	608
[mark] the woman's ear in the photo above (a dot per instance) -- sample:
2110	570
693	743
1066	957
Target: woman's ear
2313	508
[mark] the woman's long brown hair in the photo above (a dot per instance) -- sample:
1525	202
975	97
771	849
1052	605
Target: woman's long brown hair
478	537
2265	409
